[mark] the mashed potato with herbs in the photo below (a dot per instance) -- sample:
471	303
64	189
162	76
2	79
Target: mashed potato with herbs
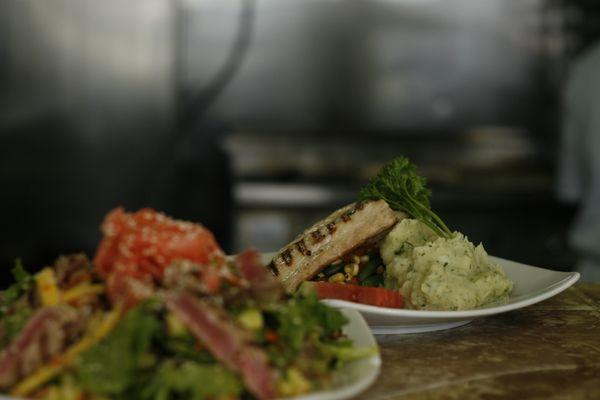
435	273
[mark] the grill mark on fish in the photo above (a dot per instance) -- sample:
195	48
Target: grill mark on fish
331	227
317	236
286	256
301	246
271	267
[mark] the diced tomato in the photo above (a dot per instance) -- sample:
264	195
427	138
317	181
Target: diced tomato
374	296
147	242
138	247
271	336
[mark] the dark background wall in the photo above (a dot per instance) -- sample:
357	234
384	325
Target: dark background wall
256	117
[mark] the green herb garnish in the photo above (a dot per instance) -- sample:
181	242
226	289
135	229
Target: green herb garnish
399	184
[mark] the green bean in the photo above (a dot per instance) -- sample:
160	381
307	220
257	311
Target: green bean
374	280
367	270
332	269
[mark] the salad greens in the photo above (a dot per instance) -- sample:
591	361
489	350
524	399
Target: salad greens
304	319
192	381
23	282
14	308
185	347
399	184
304	315
112	367
14	322
142	359
126	365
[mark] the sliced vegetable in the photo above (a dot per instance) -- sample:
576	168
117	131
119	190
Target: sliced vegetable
47	289
374	296
251	319
82	290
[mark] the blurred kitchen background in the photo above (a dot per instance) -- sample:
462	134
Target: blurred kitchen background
257	117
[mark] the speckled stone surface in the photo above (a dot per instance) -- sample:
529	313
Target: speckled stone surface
550	350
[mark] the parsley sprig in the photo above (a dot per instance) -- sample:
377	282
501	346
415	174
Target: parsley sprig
399	184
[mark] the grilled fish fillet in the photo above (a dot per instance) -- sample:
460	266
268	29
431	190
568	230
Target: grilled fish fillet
348	228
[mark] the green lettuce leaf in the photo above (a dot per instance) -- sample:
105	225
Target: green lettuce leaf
114	365
192	381
303	320
23	282
14	322
185	348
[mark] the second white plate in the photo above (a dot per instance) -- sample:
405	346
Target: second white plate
531	285
353	378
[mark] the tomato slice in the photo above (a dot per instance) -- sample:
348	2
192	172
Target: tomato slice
374	296
146	242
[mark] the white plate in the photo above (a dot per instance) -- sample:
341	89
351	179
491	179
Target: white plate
353	378
358	375
531	285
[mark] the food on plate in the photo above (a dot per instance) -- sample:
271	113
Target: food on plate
438	273
161	313
413	252
374	296
348	228
399	184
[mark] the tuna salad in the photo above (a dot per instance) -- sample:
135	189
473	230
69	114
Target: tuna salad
161	313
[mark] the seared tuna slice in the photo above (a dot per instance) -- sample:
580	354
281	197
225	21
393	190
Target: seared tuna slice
47	333
227	342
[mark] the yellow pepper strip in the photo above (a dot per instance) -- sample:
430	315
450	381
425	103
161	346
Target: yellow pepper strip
81	290
47	289
54	367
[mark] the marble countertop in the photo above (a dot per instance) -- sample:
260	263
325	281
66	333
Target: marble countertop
550	350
